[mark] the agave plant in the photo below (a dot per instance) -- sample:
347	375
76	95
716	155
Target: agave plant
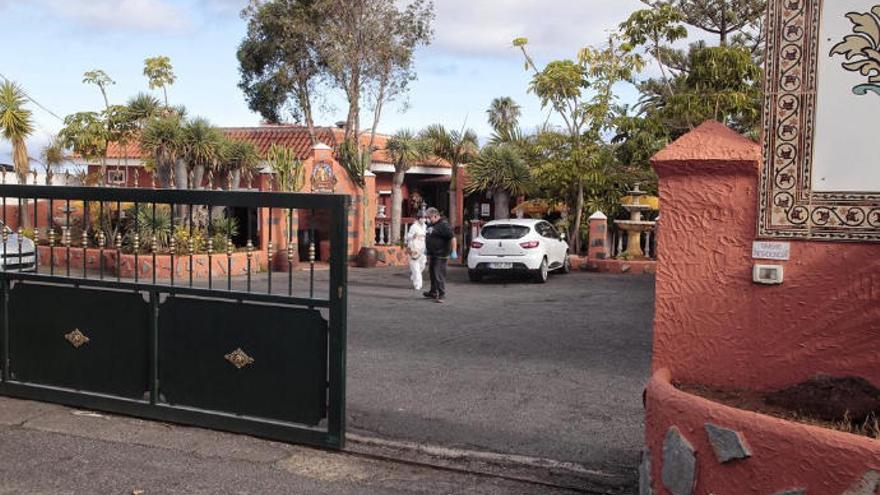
862	49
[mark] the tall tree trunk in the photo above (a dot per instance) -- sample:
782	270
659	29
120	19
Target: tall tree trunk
181	175
163	170
502	204
453	198
198	176
396	205
578	217
20	160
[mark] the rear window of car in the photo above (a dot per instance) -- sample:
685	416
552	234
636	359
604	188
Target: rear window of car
504	231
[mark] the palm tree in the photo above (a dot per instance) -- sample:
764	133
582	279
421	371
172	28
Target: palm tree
16	125
457	148
499	169
202	145
53	156
236	157
142	107
504	116
406	149
162	139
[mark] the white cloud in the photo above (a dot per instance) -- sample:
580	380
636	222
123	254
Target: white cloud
487	27
147	15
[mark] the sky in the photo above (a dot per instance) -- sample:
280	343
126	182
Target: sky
49	44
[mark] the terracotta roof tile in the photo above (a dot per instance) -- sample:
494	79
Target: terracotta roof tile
291	136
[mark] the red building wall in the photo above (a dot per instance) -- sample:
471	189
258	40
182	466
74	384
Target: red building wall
713	325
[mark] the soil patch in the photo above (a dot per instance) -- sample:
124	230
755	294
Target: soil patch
849	404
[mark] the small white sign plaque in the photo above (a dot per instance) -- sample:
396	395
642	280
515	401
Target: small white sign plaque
764	250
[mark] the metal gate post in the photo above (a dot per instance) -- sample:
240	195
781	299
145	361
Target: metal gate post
5	352
338	316
154	347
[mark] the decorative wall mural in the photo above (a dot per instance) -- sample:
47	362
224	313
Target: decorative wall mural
862	49
323	178
821	174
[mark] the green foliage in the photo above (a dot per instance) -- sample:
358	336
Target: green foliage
142	107
184	234
407	149
147	227
223	230
290	174
722	83
499	168
279	59
16	125
163	140
86	134
53	155
237	155
456	147
295	50
159	73
354	160
202	142
560	80
733	21
100	79
503	115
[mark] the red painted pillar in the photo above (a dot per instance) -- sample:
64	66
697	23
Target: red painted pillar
598	248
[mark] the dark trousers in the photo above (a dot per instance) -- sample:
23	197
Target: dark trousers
437	270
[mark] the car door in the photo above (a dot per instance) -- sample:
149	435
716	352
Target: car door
555	249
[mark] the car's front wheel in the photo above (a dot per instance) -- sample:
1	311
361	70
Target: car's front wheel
543	272
475	276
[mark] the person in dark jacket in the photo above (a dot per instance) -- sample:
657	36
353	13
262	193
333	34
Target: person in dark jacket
439	245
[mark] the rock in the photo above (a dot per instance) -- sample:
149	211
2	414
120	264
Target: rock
727	444
645	474
793	491
866	486
679	463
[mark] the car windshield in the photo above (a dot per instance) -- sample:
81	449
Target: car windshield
504	231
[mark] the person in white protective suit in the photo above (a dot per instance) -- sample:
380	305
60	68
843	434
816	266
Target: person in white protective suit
415	248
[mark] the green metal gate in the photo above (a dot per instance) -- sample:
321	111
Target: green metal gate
137	301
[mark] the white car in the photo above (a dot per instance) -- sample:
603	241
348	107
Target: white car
17	256
518	246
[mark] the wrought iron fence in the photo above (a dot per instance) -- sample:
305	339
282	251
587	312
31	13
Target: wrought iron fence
216	313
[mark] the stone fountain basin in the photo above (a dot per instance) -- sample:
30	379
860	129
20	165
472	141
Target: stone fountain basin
699	446
636	207
636	225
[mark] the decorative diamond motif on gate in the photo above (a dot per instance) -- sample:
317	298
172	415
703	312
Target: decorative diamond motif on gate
239	358
76	338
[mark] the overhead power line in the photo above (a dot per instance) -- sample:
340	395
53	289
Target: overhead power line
35	102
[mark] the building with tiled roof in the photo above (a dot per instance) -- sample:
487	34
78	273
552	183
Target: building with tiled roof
426	184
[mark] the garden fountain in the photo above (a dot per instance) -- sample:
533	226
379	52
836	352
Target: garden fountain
635	226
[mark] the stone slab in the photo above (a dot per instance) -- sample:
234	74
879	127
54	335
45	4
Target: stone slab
728	444
679	463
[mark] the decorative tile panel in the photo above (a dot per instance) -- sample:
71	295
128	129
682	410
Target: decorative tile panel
821	185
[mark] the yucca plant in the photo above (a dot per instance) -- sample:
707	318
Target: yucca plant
406	149
500	170
147	226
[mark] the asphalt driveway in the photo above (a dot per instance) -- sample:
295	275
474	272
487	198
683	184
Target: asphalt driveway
553	371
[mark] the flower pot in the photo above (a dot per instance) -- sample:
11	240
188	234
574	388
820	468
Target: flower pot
366	257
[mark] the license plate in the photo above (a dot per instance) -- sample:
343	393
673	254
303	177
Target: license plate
501	266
